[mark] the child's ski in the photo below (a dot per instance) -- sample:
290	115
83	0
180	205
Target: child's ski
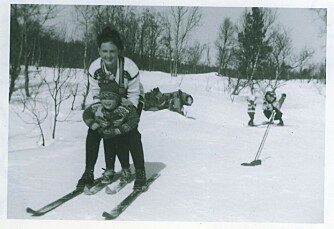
119	186
99	186
120	208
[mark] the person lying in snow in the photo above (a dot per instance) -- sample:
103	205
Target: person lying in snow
173	101
153	100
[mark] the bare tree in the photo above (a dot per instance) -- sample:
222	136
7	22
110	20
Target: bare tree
281	51
194	55
27	22
74	93
37	110
84	17
59	91
302	59
182	21
150	31
207	51
225	44
74	87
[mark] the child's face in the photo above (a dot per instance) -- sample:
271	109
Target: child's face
269	98
109	104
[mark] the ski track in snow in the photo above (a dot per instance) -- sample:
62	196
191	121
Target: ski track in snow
199	160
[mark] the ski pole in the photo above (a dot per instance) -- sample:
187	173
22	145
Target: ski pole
256	160
265	136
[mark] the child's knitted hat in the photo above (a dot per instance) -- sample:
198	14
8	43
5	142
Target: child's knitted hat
110	90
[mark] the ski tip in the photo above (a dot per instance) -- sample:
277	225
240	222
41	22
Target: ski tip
33	212
29	210
109	191
87	191
107	216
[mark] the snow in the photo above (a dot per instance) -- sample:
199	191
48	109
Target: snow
198	158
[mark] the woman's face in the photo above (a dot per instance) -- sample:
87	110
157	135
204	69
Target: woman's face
109	53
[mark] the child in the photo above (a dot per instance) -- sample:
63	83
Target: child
270	105
251	109
108	119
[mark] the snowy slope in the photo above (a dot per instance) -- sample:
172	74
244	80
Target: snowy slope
199	160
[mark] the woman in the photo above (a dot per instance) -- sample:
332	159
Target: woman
112	66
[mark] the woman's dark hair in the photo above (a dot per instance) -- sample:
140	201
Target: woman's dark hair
109	34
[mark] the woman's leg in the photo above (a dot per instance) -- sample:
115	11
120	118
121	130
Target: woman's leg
92	148
132	141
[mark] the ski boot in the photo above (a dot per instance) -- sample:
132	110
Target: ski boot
140	182
251	123
87	179
125	175
281	123
107	176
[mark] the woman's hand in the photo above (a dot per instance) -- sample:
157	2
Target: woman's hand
95	126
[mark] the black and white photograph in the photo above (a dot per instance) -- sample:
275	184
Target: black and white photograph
127	111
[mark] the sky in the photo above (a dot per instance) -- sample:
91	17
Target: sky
303	26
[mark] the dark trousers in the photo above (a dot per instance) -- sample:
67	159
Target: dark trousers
92	149
251	115
278	114
131	141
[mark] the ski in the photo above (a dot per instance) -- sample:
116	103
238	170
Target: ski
120	208
264	124
99	186
59	201
119	186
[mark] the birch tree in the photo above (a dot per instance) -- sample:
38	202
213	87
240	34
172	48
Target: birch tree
225	43
182	21
27	21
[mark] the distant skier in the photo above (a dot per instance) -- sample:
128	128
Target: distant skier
251	100
270	105
109	119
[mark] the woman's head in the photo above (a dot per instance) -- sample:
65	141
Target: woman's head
109	46
110	35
